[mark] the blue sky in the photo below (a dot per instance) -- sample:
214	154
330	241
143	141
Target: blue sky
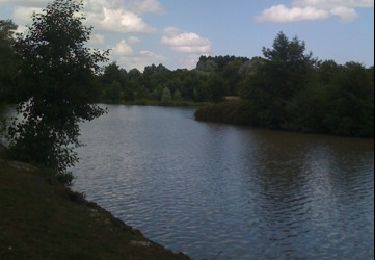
176	32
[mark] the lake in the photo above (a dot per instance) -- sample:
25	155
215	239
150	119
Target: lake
222	192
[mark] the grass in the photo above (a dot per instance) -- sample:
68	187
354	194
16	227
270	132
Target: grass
41	219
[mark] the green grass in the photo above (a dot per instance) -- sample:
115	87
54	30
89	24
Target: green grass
41	219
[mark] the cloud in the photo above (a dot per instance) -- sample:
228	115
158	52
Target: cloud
329	4
119	20
139	60
118	16
281	13
145	6
107	15
309	10
122	49
22	14
97	39
187	42
126	57
189	61
30	3
346	14
132	40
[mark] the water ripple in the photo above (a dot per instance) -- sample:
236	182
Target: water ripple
225	192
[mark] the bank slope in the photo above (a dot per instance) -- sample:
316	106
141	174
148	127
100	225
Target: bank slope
40	219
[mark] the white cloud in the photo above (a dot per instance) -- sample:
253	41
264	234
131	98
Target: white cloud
187	42
22	14
346	14
126	57
122	49
119	20
328	4
139	60
281	13
305	10
108	15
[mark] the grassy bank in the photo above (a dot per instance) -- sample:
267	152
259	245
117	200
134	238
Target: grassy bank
41	219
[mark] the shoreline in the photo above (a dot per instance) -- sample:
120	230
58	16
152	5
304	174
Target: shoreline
41	218
238	114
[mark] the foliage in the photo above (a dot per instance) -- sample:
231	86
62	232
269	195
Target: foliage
199	85
9	63
239	113
283	72
350	108
166	95
177	96
288	89
57	90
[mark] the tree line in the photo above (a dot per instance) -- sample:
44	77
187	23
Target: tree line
56	80
213	78
289	89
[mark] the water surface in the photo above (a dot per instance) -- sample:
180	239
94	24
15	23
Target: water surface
223	192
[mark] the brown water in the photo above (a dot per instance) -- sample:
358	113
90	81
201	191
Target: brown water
222	192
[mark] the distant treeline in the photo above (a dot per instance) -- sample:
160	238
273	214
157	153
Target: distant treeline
285	89
213	78
290	90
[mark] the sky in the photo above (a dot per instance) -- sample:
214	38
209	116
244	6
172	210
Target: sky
177	32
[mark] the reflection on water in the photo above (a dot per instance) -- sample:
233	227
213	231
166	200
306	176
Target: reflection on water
227	192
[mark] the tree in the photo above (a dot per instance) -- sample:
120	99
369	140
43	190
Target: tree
177	96
58	90
350	108
166	95
287	66
284	73
8	64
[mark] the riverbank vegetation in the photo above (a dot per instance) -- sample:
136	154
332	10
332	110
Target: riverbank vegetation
158	85
56	80
288	89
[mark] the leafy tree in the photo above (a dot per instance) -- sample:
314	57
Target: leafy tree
166	95
57	92
327	71
206	64
115	87
8	64
350	108
112	72
177	96
283	74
